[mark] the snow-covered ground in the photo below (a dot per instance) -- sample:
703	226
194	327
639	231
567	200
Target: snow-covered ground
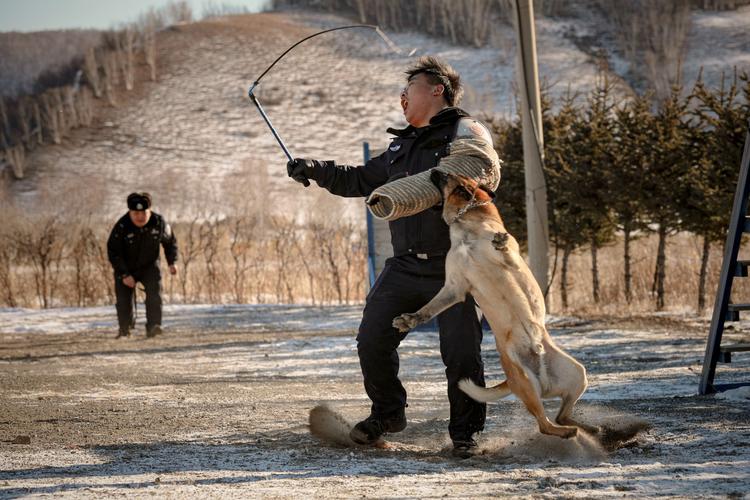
218	407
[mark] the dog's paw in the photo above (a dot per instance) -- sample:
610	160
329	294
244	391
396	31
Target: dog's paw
500	241
406	322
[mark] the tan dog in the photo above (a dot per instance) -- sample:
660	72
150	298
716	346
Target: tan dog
484	261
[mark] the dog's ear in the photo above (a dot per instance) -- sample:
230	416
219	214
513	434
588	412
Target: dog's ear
487	190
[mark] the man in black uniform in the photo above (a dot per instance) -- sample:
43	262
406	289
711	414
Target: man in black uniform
133	250
417	270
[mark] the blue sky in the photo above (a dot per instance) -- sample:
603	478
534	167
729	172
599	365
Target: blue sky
36	15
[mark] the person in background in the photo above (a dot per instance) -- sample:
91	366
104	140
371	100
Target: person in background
133	251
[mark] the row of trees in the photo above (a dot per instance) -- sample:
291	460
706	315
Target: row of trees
64	98
45	261
615	170
632	168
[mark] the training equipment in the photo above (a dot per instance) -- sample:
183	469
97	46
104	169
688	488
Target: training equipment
471	157
254	98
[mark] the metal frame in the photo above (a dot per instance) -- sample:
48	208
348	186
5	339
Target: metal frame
738	224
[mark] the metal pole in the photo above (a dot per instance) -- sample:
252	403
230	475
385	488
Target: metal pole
533	145
370	230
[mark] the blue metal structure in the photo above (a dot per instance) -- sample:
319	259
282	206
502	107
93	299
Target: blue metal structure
370	230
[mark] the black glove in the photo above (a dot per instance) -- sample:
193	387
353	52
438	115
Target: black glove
300	170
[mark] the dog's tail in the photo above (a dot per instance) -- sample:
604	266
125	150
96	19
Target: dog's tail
484	394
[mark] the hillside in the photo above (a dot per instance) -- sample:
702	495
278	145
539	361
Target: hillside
196	142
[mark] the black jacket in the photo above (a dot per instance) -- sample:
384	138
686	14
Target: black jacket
132	249
412	151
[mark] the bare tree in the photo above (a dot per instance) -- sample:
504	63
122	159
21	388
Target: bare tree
178	12
16	156
8	256
41	243
91	69
128	68
23	119
241	244
283	236
85	106
109	67
37	131
68	95
210	233
654	33
149	47
4	125
190	248
85	250
51	117
303	247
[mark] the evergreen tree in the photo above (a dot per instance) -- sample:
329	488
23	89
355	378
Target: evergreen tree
562	174
666	168
593	136
717	136
630	148
510	195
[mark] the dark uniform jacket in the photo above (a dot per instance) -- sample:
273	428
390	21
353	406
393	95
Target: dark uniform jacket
412	150
132	249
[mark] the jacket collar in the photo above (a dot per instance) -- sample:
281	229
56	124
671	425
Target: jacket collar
445	115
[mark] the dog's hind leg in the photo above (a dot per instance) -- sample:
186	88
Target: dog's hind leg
520	382
564	416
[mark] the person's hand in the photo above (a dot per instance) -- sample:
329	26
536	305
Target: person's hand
172	269
298	170
128	281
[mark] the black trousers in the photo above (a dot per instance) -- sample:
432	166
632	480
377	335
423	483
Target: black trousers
150	277
406	284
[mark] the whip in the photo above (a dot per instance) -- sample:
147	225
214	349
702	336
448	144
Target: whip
254	98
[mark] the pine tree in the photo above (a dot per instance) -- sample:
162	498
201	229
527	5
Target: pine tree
717	136
562	174
666	169
631	141
510	195
593	136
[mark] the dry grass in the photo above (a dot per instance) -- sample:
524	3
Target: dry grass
683	267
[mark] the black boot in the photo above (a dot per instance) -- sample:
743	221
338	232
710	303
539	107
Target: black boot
373	427
464	448
153	331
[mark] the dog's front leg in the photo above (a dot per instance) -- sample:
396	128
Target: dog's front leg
447	296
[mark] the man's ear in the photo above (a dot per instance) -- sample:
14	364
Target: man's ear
439	90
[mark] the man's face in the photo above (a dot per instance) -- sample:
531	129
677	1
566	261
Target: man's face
140	217
420	100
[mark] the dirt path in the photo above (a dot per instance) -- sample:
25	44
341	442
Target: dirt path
212	413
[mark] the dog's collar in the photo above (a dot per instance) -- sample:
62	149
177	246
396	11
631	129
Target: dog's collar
472	204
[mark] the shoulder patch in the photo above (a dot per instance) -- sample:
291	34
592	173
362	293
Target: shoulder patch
395	147
469	127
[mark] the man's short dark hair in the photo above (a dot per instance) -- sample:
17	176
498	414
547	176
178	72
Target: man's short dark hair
439	72
139	201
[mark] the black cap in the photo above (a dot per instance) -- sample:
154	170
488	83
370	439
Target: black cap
139	201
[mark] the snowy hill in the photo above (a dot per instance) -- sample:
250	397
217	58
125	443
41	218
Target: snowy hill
196	142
